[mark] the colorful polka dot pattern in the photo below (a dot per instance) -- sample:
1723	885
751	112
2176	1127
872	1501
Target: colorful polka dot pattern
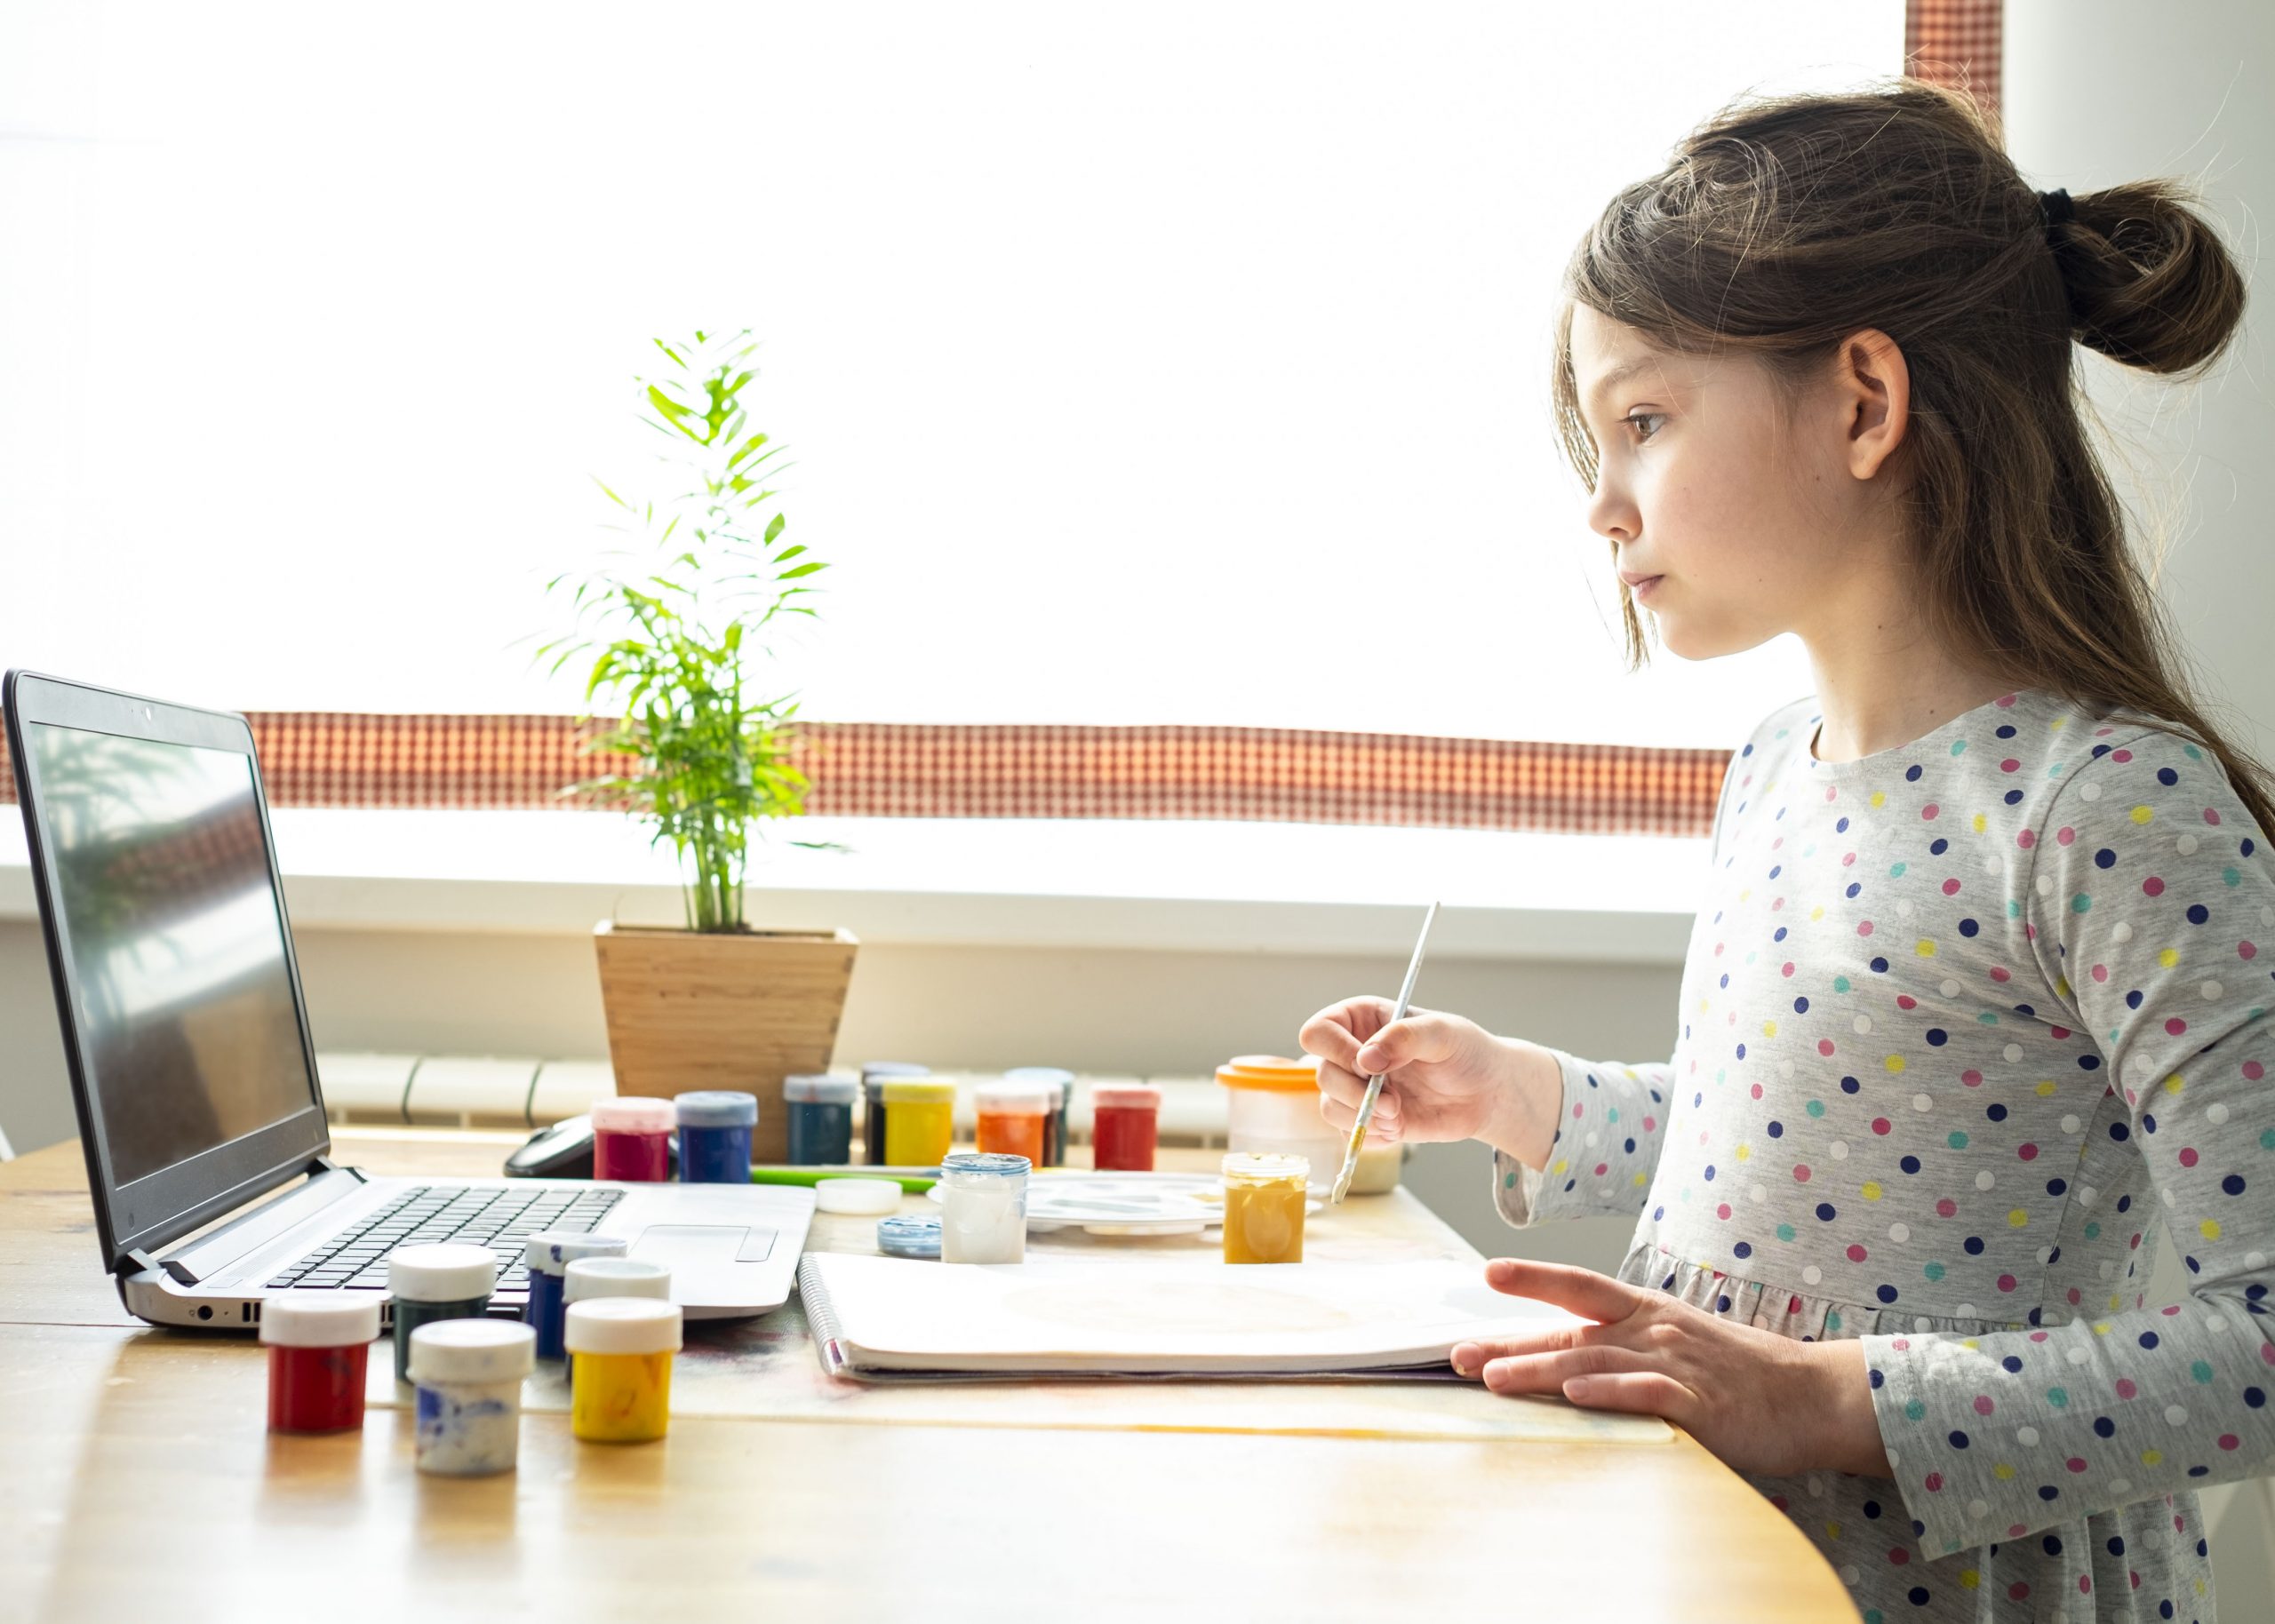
1963	1024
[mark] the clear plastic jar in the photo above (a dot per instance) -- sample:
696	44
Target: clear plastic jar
1060	1081
319	1349
1264	1197
548	1256
819	1116
919	1120
715	1131
1014	1117
1271	1107
1125	1127
631	1140
983	1208
620	1380
447	1280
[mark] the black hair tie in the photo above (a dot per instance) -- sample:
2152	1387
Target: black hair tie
2057	208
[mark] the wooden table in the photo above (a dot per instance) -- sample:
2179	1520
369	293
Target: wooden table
137	1479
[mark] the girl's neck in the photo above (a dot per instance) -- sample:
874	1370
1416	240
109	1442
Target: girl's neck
1876	693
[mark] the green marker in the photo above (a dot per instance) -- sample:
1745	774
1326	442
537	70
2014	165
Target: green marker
914	1181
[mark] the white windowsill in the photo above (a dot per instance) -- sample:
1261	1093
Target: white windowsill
1075	883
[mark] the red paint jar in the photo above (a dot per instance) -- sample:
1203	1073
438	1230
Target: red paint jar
319	1348
631	1140
1125	1127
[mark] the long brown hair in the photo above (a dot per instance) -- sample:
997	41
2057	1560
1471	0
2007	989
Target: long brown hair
1783	225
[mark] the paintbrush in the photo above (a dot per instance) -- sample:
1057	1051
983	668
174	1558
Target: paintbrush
1375	1083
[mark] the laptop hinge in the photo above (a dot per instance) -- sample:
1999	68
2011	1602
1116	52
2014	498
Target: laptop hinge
176	1269
324	1164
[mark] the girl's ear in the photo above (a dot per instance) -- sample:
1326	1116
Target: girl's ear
1873	389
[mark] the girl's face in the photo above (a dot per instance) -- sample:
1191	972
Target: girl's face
1733	516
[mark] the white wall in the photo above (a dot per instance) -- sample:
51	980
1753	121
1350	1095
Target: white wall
2101	91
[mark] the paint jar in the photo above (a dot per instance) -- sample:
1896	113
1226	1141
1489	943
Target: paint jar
446	1281
621	1389
589	1279
910	1235
983	1208
631	1140
874	1075
820	1120
1014	1117
1061	1082
548	1256
1264	1208
319	1350
714	1129
1271	1106
919	1120
469	1373
1125	1123
1378	1169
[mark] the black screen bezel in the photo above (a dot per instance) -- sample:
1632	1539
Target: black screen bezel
160	1208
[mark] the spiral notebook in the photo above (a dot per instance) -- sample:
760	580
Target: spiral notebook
882	1319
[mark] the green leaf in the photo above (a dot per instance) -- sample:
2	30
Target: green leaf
774	528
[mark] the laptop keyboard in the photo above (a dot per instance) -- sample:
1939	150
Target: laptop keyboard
501	1219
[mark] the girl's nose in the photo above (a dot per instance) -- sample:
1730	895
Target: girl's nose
1611	515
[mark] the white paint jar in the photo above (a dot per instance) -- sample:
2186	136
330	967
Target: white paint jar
983	1208
469	1373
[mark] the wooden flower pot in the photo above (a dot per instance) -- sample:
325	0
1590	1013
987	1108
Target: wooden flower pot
688	1011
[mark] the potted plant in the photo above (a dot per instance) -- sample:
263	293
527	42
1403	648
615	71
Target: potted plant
675	626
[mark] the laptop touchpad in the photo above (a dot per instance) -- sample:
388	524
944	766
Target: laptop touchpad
692	1245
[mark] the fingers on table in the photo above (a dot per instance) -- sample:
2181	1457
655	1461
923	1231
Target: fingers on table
1583	1291
1547	1372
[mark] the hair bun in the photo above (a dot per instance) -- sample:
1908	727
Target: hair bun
2149	282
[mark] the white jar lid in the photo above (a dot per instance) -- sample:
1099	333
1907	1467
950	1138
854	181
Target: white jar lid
551	1251
590	1277
333	1319
634	1115
820	1089
445	1272
472	1350
622	1325
860	1197
1016	1097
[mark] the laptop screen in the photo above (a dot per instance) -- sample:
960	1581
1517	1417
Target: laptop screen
187	1019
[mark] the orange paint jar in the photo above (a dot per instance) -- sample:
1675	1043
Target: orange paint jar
1014	1118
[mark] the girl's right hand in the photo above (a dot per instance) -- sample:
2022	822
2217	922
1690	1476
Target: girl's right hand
1446	1078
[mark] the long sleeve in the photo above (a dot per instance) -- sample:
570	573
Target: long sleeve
1610	1126
2151	909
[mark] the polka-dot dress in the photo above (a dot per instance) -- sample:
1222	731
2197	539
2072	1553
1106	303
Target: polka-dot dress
1964	1025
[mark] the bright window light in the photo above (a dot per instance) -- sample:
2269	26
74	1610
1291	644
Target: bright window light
1138	363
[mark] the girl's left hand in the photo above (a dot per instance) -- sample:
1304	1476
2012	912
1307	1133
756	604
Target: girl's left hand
1765	1404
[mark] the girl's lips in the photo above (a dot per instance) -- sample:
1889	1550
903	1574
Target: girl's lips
1645	587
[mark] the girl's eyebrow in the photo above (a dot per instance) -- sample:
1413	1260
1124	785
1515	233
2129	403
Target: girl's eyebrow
1620	374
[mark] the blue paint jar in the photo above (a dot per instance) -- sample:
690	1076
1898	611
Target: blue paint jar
549	1255
820	1114
714	1129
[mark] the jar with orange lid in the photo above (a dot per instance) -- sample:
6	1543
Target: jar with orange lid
1272	1109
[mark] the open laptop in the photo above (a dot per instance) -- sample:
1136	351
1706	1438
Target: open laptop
192	1067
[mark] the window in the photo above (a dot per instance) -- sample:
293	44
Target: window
1167	365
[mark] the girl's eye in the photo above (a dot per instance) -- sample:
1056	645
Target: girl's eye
1637	420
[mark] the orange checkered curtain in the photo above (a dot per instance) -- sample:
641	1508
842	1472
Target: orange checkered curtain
1958	42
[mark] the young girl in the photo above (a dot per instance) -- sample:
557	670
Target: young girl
1975	1005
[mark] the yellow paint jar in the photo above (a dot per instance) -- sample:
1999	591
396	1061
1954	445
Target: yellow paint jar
1264	1208
620	1376
919	1120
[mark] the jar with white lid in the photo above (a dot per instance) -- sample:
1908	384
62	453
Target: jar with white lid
620	1385
469	1373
